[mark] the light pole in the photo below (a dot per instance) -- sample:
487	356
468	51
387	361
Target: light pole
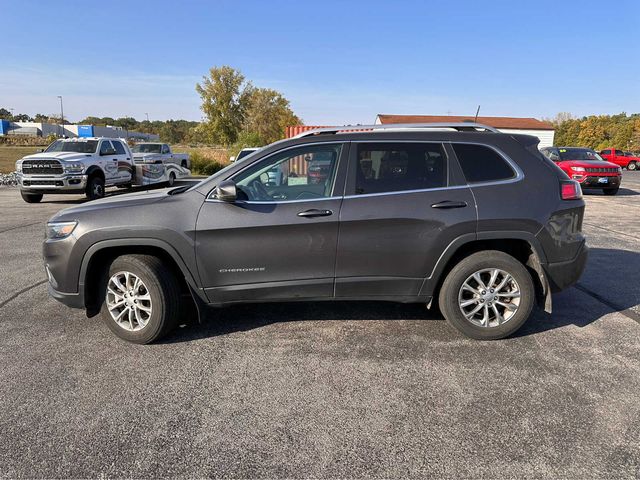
11	114
147	116
61	115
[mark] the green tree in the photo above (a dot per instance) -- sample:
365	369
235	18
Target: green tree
268	114
5	114
224	99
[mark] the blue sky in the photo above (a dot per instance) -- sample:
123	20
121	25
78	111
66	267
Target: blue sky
338	62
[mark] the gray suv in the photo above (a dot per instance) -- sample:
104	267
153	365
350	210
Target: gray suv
457	215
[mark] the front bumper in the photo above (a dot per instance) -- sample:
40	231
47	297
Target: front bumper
593	181
562	275
73	300
52	183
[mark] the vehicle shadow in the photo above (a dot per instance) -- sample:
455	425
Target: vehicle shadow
601	282
623	192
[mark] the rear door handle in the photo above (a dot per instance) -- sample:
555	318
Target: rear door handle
315	213
449	204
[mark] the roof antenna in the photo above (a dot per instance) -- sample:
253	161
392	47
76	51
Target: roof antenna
477	112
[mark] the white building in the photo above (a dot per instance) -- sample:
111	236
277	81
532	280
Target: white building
38	129
528	126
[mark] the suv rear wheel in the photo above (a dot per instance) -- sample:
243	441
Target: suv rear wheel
488	295
142	300
632	166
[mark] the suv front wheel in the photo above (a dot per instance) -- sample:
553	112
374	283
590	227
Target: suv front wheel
142	300
488	295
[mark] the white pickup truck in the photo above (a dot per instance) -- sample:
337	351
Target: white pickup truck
159	153
88	165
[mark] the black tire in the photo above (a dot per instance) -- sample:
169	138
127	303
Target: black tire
632	166
95	188
610	191
172	179
164	291
488	259
31	197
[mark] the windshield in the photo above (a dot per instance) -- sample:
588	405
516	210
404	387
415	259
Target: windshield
146	148
79	146
583	154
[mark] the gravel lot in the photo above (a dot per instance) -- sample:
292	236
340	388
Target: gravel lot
324	390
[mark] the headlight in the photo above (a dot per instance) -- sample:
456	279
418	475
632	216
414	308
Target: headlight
58	230
19	166
578	169
73	167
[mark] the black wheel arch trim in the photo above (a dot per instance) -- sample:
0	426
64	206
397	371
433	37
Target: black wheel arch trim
140	242
430	283
93	169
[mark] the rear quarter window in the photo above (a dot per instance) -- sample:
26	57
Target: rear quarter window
482	164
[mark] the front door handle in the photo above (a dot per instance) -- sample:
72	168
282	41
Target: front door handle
315	213
449	204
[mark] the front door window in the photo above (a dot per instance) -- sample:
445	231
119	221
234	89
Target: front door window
302	173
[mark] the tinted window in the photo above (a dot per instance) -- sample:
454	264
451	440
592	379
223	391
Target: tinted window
119	148
105	147
165	149
397	167
606	152
302	173
619	152
482	164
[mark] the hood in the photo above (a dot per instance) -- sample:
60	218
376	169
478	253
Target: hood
64	156
588	164
115	201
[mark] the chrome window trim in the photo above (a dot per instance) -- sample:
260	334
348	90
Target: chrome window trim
249	202
400	192
519	174
277	152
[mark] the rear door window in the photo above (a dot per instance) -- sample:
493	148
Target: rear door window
482	164
619	153
397	167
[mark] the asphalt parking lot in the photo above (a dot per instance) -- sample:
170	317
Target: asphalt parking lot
324	390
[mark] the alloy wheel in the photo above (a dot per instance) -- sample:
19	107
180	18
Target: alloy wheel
489	297
128	301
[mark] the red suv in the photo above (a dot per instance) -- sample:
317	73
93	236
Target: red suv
586	167
623	159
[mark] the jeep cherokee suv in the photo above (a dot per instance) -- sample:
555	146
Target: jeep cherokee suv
458	215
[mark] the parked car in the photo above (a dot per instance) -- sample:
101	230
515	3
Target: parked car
474	220
319	167
244	153
623	159
159	153
586	167
87	165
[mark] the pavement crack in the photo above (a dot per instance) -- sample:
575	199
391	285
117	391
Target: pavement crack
20	292
627	312
19	226
612	231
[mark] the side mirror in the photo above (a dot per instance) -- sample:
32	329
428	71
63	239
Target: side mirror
232	159
226	191
41	150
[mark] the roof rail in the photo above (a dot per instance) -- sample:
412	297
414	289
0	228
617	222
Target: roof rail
460	127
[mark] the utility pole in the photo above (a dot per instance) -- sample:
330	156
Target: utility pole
61	115
11	114
147	116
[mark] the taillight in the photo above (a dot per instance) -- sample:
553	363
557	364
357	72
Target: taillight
570	190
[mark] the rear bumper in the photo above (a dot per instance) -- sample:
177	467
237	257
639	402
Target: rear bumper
562	275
